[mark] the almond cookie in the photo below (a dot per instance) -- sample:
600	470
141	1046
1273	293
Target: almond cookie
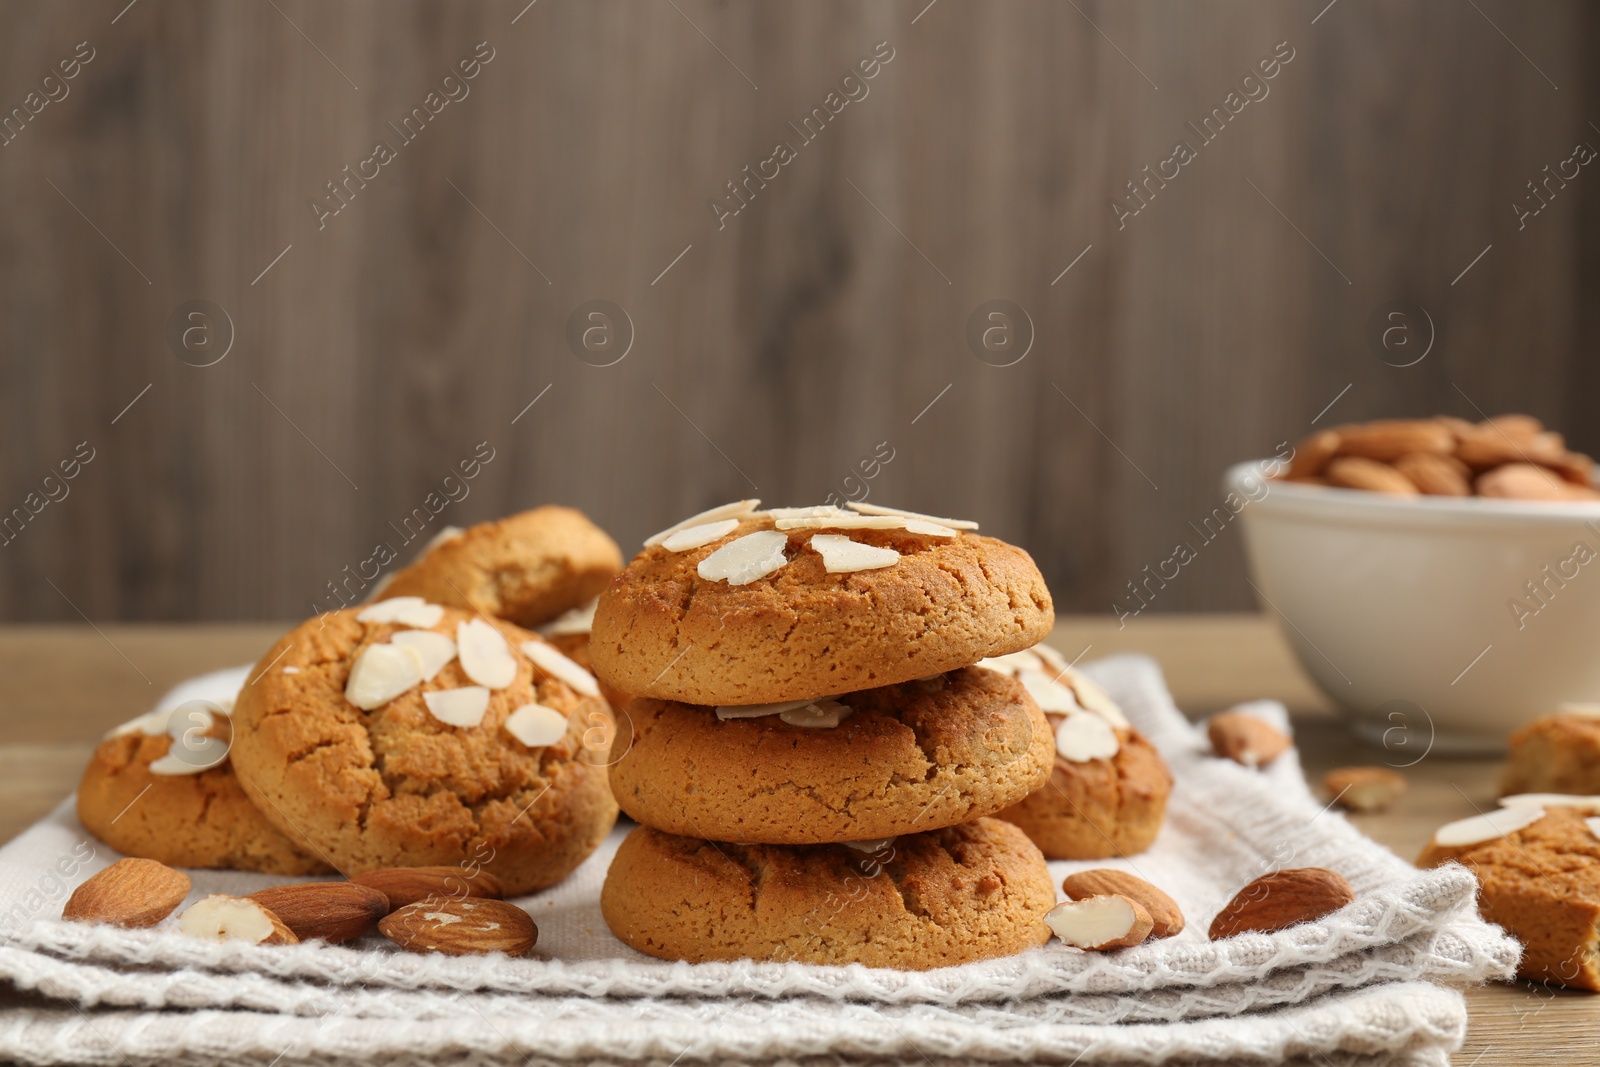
900	759
751	607
1557	753
527	568
934	899
409	734
1107	792
185	817
1539	873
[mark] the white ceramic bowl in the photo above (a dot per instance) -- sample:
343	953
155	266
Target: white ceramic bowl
1406	610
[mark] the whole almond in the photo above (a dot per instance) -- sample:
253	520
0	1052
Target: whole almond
1364	789
1518	427
1356	472
461	927
1389	439
1165	917
1098	923
133	893
1435	474
407	885
1282	899
332	911
220	917
1525	481
1313	455
1576	468
1490	445
1246	739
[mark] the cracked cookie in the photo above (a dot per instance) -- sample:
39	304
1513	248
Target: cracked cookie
410	734
905	758
747	607
527	568
933	899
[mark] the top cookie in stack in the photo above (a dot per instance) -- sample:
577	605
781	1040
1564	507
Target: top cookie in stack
806	686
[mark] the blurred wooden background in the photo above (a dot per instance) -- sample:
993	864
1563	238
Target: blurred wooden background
773	356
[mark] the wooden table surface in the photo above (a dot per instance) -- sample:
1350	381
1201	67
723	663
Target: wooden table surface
66	685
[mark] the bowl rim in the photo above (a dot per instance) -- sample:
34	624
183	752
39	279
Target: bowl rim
1328	501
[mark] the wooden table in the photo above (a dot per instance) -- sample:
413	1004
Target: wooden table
66	685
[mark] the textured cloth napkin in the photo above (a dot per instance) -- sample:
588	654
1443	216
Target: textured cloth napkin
1365	985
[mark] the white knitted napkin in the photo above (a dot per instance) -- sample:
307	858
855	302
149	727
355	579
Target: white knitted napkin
1353	985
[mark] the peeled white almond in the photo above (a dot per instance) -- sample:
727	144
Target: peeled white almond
1083	736
556	664
695	536
736	510
1049	695
1477	829
822	714
1098	923
878	509
579	620
422	616
381	673
458	707
840	555
1551	800
745	559
536	725
436	650
756	711
389	610
484	654
224	918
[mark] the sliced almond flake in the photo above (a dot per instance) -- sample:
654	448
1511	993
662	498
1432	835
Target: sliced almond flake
389	610
1093	698
580	620
756	711
423	616
1013	662
556	664
1049	695
870	846
878	509
1552	800
844	521
151	724
436	650
822	714
1055	663
458	707
444	536
536	725
381	673
1082	737
923	528
840	555
291	669
696	536
170	766
484	654
816	511
1593	823
1579	710
739	509
1477	829
745	559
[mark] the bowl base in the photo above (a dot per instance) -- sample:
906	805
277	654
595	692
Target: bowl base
1376	732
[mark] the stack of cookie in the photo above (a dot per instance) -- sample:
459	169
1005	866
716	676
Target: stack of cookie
812	750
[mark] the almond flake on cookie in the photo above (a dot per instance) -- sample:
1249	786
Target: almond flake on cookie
291	669
536	725
381	673
1083	736
1013	663
558	665
739	509
151	724
1552	800
843	521
198	755
864	508
1476	829
840	555
389	610
815	511
1048	693
1593	823
436	650
757	711
870	846
745	559
484	654
823	714
697	536
458	707
924	528
421	616
580	620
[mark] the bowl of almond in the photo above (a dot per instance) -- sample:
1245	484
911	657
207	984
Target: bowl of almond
1437	578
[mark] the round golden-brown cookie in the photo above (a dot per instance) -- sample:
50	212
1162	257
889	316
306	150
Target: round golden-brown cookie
1100	807
910	757
661	630
526	568
183	820
934	899
396	786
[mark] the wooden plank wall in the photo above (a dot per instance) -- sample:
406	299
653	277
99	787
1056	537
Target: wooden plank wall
775	350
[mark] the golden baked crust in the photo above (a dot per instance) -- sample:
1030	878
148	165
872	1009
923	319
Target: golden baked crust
933	899
396	787
185	820
910	757
526	568
663	631
1100	808
1542	883
1554	754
